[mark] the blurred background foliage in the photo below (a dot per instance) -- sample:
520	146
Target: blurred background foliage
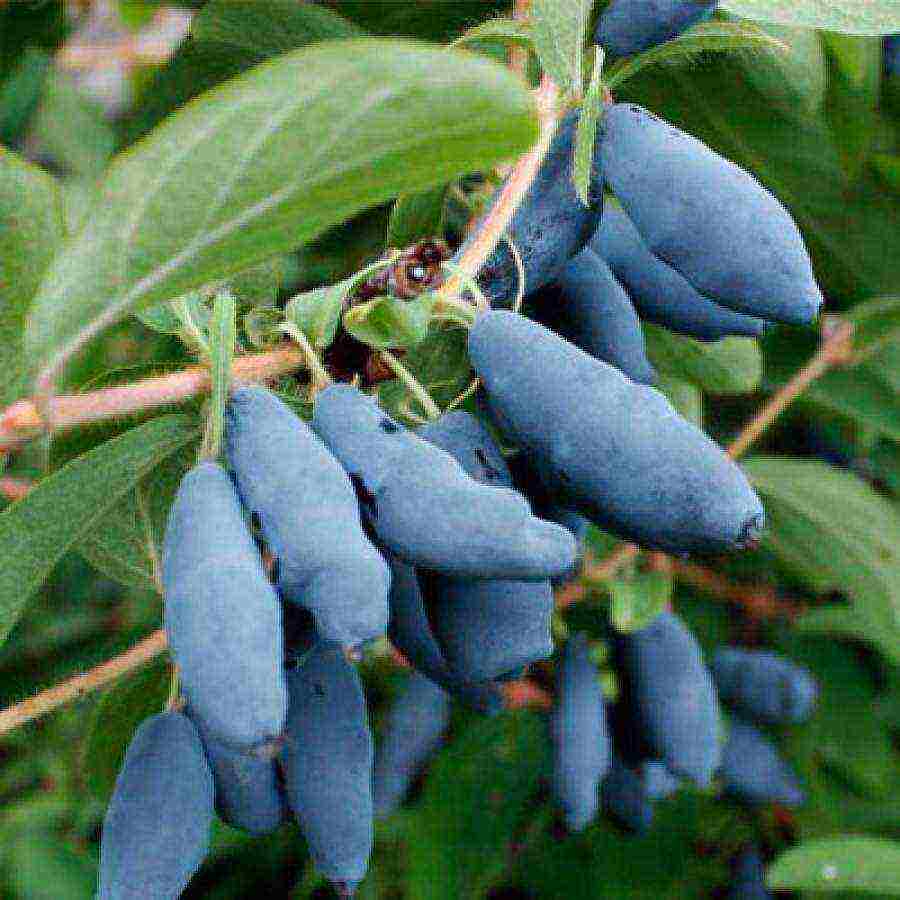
821	128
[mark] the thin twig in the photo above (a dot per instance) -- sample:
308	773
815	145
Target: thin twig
22	422
836	349
320	377
432	410
79	685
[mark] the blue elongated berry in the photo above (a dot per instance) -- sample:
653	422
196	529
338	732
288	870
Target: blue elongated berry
671	693
309	517
485	628
248	794
550	226
659	782
753	770
764	686
892	54
630	26
708	218
156	830
581	744
425	509
614	450
624	799
327	761
748	877
410	632
590	309
223	617
659	293
415	728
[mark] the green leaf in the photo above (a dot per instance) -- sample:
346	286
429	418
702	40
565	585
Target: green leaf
44	867
638	601
222	337
115	719
417	217
835	533
507	31
262	326
63	508
867	865
586	136
475	793
336	127
730	366
21	91
709	37
848	16
258	285
685	396
31	229
126	544
317	313
265	28
387	323
875	325
558	28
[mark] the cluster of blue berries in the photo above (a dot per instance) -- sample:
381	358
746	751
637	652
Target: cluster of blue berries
322	537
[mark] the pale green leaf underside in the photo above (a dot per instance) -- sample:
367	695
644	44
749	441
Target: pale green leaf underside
264	163
558	29
868	865
849	16
69	504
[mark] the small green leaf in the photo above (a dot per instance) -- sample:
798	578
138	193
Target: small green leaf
867	865
258	285
507	31
114	720
685	396
222	337
875	325
586	136
387	323
262	326
638	601
848	16
558	28
336	127
730	366
35	532
31	230
709	37
417	217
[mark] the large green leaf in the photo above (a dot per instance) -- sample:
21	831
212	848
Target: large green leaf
833	531
475	793
35	532
266	162
862	864
850	16
31	228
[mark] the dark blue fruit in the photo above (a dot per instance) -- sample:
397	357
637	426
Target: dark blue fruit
659	293
748	878
659	782
581	743
616	451
423	506
550	226
327	762
763	685
410	632
415	728
753	770
624	799
671	694
309	517
223	617
156	831
708	218
248	794
630	26
590	309
892	54
485	628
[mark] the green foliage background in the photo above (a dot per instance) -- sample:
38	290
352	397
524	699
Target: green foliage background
819	125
